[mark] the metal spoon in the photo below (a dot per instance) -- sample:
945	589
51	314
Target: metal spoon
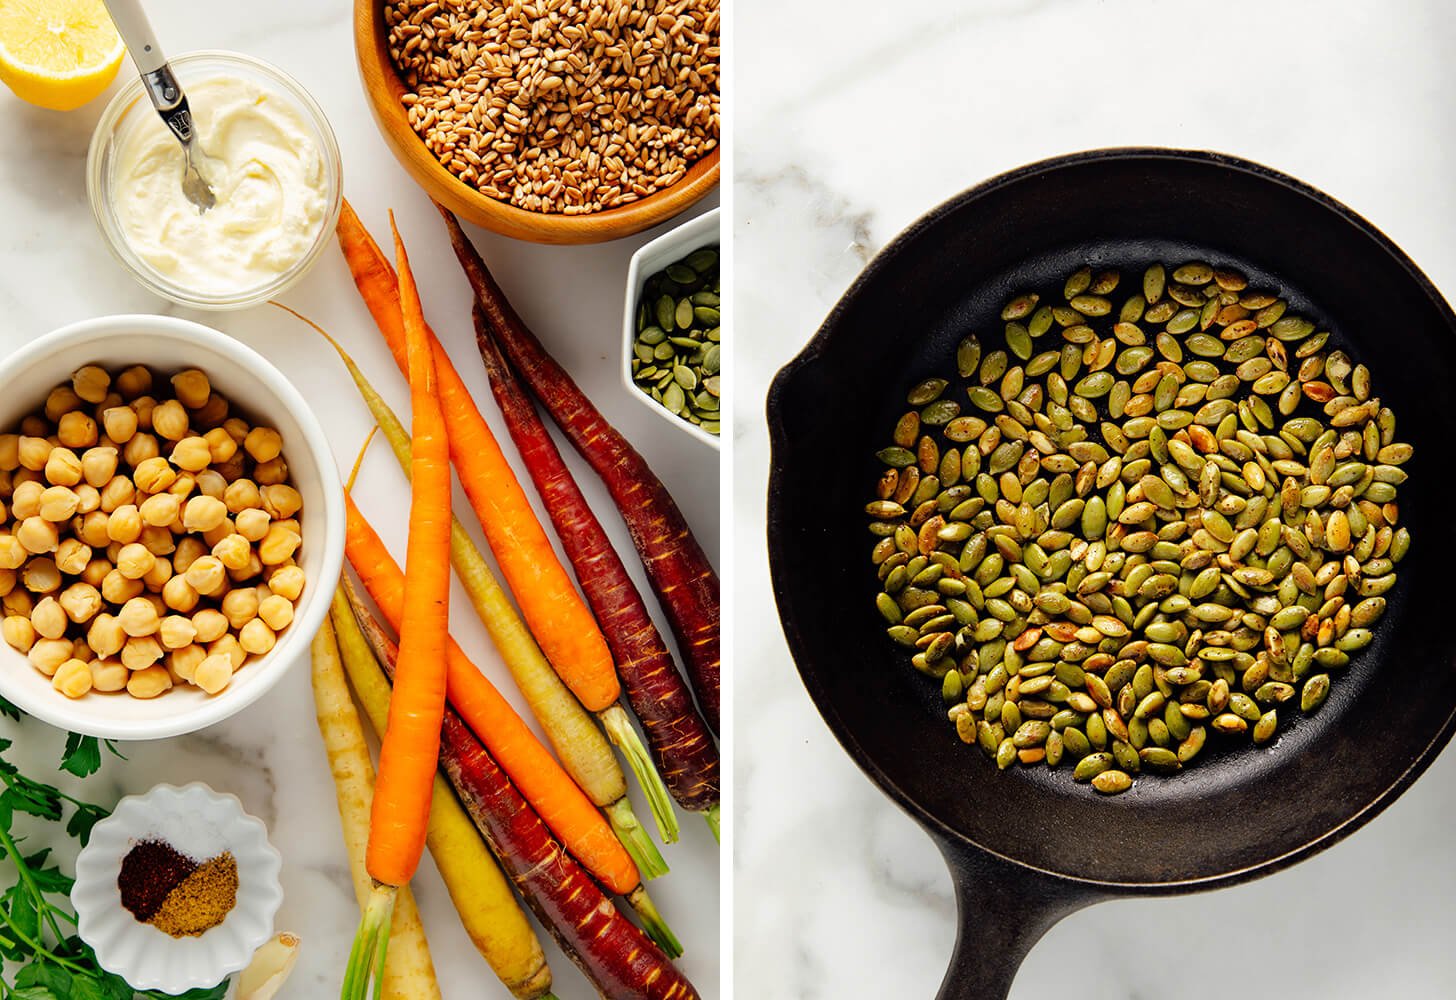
166	94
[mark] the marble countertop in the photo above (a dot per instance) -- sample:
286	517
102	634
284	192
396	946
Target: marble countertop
57	270
851	124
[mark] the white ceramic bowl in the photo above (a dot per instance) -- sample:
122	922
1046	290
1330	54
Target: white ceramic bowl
256	389
201	824
193	68
650	258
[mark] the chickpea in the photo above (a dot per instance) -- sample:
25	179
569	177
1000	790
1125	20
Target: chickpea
252	525
263	443
241	495
281	500
77	430
113	550
120	423
158	576
95	572
73	556
184	661
37	426
229	646
10	452
148	682
183	485
7	581
233	552
169	420
107	402
81	602
140	652
192	388
272	472
82	651
88	498
248	572
25	500
95	529
161	510
154	475
63	467
118	588
204	513
109	675
106	636
211	483
207	574
118	492
276	612
233	468
240	606
20	476
143	406
47	655
48	619
176	631
37	535
141	447
237	429
220	444
33	452
211	625
138	617
18	632
135	381
40	576
7	484
17	602
72	679
278	545
192	454
135	561
124	525
12	553
61	401
180	595
214	673
189	550
58	503
91	383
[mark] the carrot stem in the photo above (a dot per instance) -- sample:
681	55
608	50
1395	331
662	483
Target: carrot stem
371	943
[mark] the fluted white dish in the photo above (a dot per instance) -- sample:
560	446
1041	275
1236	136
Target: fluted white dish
201	824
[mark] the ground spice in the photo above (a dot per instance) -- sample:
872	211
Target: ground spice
149	872
200	901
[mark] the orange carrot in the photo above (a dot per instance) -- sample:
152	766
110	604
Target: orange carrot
410	750
564	807
557	615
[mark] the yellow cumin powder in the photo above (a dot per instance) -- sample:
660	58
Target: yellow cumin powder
202	900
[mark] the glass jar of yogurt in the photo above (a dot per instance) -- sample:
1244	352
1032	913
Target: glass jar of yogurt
273	164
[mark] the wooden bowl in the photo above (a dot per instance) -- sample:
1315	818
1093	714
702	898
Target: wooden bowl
385	89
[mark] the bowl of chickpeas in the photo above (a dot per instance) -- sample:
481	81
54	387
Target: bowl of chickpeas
171	527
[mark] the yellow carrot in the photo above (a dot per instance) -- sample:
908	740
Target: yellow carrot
482	896
409	973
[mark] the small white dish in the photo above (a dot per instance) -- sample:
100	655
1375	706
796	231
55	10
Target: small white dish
650	258
257	389
202	824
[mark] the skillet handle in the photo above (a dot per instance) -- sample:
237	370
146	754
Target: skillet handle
1004	910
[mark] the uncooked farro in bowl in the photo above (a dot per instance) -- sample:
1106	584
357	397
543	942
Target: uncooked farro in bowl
569	109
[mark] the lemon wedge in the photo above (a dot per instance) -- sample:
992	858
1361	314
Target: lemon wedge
58	54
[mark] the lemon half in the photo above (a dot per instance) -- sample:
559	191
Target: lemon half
58	54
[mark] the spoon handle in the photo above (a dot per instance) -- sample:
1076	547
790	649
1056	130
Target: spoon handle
161	85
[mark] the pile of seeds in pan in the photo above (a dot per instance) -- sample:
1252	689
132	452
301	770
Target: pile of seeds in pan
677	354
1160	516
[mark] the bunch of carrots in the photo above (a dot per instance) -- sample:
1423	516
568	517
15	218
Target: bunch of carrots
560	826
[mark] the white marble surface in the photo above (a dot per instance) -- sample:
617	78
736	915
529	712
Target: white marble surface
851	123
56	270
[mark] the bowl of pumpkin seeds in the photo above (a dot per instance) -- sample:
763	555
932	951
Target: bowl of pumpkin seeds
672	333
1150	514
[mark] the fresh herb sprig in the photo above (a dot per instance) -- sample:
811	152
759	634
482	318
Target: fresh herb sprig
37	927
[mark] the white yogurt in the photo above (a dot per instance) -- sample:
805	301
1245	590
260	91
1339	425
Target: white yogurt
268	176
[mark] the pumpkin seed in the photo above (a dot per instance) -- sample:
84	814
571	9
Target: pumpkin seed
1129	542
675	351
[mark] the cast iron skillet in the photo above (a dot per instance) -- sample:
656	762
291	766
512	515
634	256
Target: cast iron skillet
1027	847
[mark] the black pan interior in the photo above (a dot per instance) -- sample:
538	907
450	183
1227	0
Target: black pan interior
949	275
